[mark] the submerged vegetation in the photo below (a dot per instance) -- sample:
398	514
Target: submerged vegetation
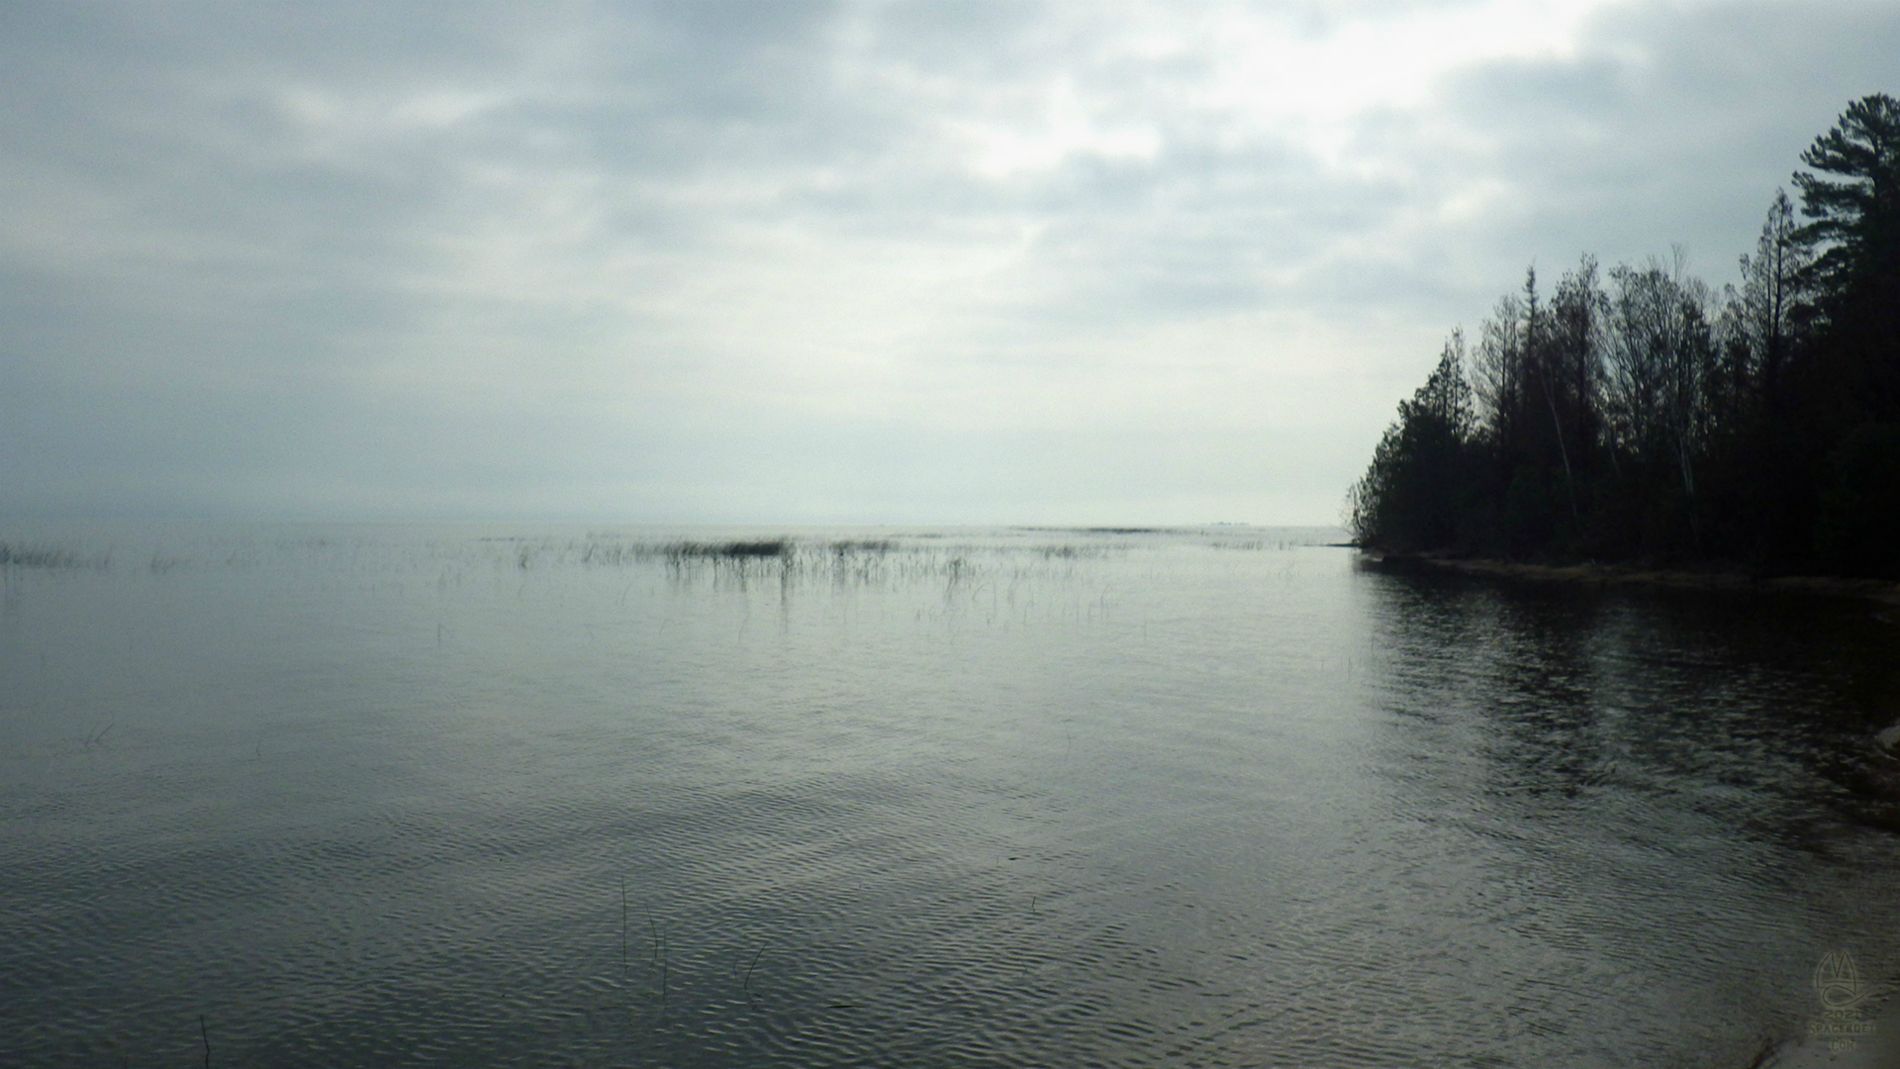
1640	414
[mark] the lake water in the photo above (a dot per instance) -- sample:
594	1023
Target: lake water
1219	797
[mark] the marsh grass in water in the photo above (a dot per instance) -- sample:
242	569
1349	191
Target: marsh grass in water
773	547
796	560
46	555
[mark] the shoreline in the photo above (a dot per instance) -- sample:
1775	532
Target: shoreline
1631	575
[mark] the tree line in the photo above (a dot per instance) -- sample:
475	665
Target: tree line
1637	413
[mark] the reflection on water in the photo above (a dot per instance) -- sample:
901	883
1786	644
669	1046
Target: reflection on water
1667	798
1217	797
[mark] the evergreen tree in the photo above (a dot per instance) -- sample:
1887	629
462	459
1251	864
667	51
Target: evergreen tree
1415	492
1854	202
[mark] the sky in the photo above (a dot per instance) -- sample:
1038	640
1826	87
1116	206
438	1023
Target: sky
826	263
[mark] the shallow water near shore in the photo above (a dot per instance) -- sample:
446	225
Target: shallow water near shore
1218	796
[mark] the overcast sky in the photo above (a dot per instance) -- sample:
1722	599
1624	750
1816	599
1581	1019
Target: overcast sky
817	263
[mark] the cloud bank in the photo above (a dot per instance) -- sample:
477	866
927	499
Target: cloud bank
838	262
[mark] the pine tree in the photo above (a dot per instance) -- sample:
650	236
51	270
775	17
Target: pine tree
1854	202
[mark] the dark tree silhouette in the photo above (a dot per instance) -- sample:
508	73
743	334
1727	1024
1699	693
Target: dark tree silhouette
1637	414
1769	314
1415	492
1854	202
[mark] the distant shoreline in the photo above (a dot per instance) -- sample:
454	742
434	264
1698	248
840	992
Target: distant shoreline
1629	575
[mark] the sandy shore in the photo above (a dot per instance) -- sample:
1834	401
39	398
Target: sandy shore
1631	575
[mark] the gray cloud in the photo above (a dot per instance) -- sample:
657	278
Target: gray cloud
1669	124
816	261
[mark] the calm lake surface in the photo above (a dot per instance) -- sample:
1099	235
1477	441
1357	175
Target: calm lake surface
1217	797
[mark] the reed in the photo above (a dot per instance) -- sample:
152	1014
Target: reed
44	555
740	550
660	957
746	987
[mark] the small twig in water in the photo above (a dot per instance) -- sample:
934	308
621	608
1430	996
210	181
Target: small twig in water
623	925
205	1034
747	986
1766	1052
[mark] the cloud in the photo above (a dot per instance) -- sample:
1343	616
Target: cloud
1666	123
819	260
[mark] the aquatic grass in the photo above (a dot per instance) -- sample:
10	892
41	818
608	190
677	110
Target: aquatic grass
964	568
1069	551
746	987
910	557
854	546
599	553
45	555
1096	530
666	962
738	550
